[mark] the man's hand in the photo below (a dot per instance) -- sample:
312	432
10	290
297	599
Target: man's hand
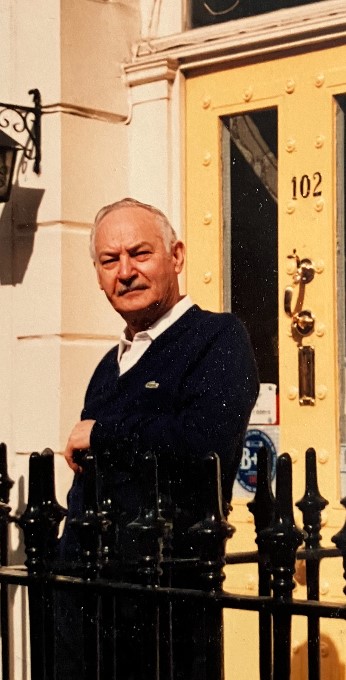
78	439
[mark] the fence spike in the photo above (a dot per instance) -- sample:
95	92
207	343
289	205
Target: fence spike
33	521
88	526
340	541
167	512
49	504
211	533
110	558
262	506
281	540
49	501
312	503
204	630
143	536
6	483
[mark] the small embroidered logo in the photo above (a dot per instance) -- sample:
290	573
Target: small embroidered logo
151	385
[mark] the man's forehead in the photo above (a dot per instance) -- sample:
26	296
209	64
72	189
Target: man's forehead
125	225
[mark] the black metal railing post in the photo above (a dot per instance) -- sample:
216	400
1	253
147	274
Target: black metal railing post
340	541
166	509
122	594
52	510
33	521
54	514
4	607
88	530
110	558
212	532
35	525
5	485
209	542
262	508
311	505
281	541
144	539
110	565
145	533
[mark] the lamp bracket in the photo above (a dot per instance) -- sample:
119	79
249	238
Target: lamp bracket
28	120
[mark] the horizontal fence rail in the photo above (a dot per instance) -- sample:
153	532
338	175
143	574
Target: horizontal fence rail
144	600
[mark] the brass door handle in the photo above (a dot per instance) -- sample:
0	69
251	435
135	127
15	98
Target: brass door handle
288	301
304	274
302	325
303	322
305	271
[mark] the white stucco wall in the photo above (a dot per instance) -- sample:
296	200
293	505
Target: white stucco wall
161	17
56	324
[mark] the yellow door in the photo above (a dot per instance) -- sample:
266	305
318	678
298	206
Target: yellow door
265	185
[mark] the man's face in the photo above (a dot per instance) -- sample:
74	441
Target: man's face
137	274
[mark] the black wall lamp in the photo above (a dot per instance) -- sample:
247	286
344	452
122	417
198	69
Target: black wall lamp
28	121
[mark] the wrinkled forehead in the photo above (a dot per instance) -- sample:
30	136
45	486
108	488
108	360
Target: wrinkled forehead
127	225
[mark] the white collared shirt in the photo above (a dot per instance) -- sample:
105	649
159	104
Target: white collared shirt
130	351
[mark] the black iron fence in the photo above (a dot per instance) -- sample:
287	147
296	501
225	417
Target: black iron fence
136	608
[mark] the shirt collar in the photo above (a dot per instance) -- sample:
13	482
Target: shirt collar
161	325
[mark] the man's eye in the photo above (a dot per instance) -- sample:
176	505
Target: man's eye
109	260
141	254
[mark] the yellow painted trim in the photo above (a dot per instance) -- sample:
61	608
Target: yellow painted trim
303	89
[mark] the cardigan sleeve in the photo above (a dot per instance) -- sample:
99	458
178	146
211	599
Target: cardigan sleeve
217	394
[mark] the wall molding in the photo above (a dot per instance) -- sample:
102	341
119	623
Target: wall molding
314	26
83	112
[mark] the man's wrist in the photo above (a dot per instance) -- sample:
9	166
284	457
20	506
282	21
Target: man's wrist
97	436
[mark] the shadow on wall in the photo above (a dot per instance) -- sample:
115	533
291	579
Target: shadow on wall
18	224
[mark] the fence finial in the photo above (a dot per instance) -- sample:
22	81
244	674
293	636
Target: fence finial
340	541
211	533
6	483
312	503
282	538
33	521
145	533
87	527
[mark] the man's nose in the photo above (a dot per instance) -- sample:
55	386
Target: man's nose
125	270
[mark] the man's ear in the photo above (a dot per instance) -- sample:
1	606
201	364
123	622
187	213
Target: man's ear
98	276
178	254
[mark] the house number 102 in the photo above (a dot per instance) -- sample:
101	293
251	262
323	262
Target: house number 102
306	186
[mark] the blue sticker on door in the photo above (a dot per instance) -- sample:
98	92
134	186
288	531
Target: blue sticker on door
247	472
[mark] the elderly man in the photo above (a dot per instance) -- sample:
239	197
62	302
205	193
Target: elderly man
181	379
181	382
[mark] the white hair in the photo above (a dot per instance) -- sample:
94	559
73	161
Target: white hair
168	234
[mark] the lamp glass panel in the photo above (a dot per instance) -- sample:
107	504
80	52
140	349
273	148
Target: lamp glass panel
7	161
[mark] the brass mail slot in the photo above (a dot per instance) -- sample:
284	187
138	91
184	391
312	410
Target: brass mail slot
306	363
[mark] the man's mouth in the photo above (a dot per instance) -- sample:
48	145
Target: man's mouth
131	289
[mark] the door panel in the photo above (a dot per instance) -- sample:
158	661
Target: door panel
301	93
265	186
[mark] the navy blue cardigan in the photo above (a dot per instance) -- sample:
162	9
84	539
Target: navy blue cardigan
190	393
